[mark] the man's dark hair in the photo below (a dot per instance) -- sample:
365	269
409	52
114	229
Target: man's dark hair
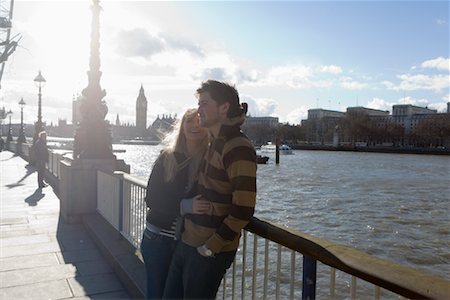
222	92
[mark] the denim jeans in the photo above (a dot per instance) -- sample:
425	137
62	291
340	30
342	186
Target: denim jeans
157	251
192	276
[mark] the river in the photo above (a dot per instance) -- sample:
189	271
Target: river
393	206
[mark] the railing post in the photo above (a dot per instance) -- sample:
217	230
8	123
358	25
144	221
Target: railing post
121	212
309	278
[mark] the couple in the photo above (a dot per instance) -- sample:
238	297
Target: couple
208	176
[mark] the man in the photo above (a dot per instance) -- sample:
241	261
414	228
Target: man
227	180
41	151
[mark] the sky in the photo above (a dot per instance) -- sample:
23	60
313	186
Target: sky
283	57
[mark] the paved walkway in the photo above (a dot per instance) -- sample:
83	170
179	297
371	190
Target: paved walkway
42	257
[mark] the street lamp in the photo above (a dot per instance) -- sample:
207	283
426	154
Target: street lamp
9	137
21	138
40	82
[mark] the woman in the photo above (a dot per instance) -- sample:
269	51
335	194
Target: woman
173	178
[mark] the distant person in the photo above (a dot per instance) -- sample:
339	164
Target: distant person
227	180
41	152
1	144
174	176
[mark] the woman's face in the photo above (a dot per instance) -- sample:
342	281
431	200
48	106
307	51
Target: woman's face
192	129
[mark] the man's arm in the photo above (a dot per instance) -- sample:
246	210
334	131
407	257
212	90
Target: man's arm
240	165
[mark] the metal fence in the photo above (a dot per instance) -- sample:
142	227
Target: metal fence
274	262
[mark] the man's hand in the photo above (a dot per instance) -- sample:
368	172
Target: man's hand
204	251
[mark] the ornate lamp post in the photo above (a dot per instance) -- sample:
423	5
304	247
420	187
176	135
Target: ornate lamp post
40	82
2	117
9	137
21	138
93	137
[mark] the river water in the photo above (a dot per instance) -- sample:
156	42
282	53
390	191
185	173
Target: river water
393	206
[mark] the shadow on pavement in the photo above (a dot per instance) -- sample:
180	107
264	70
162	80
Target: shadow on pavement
30	170
33	199
94	278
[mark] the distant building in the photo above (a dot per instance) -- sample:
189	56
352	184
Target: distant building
141	111
401	125
409	116
368	111
261	121
164	123
260	130
76	112
318	113
321	124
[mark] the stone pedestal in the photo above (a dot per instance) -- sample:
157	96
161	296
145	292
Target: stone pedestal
78	185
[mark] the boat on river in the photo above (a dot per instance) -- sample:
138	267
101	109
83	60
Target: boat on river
269	147
260	159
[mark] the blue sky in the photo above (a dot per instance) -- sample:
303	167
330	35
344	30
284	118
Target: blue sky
284	57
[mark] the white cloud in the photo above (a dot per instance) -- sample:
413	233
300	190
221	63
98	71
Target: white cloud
332	69
380	104
441	107
297	115
439	63
410	82
296	76
413	101
258	107
446	98
138	42
441	22
349	84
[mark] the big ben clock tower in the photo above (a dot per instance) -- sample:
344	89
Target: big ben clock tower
141	111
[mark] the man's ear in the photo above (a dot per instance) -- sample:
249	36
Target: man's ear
223	109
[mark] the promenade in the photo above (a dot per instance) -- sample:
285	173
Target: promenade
41	256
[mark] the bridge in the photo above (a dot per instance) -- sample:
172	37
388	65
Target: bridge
47	251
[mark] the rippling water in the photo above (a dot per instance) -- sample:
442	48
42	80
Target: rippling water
393	206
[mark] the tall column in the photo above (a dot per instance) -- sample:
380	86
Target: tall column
93	136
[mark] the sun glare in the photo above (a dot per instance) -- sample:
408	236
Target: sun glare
62	33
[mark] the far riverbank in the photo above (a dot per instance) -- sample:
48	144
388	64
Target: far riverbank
378	149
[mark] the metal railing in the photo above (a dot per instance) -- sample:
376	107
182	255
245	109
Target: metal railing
274	262
53	165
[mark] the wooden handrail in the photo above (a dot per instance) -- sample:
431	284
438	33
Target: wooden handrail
405	281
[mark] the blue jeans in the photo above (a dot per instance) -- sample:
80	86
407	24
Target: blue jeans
192	276
157	251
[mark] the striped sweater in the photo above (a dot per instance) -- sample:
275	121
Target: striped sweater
228	180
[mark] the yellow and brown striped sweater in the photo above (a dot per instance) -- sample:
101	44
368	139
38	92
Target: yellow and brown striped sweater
228	180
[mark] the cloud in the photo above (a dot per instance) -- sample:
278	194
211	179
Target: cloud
138	43
297	76
181	44
260	106
413	101
441	22
410	82
441	107
213	73
297	115
439	63
349	84
381	104
332	69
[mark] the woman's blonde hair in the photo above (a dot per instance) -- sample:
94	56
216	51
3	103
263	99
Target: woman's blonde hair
176	142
